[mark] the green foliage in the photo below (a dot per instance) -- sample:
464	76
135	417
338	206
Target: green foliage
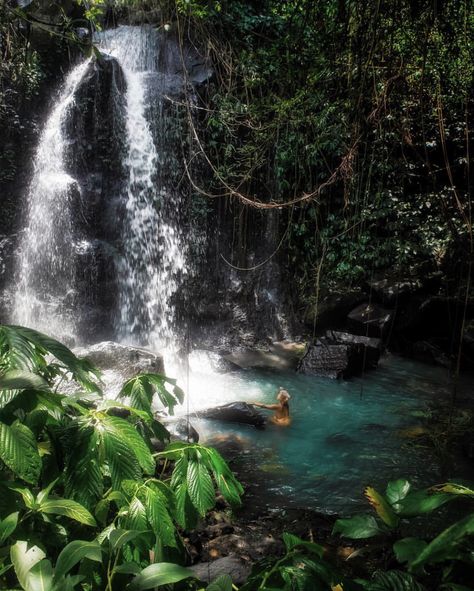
95	469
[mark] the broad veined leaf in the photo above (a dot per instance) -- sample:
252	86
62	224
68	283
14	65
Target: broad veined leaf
142	387
163	573
159	517
137	515
25	342
120	430
40	577
357	527
291	541
84	480
8	526
394	580
26	495
19	451
17	379
185	512
446	545
381	506
422	501
200	486
397	490
119	537
407	549
68	508
24	558
128	568
44	494
227	483
73	553
222	583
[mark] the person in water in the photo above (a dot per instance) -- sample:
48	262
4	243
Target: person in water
282	409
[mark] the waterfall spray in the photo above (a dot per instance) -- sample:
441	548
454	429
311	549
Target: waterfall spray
45	292
151	261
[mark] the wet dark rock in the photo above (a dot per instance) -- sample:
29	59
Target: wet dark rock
341	355
232	565
235	412
183	430
283	355
123	360
371	320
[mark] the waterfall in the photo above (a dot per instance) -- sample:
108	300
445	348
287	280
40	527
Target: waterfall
151	262
45	295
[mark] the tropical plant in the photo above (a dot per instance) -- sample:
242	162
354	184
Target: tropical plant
450	547
81	485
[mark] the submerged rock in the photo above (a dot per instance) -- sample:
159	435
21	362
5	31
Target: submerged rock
235	412
341	355
182	430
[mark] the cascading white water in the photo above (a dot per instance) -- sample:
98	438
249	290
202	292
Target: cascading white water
45	291
152	253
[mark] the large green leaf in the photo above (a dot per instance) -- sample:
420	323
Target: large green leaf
25	344
84	480
8	526
394	580
227	483
357	527
422	501
447	545
119	537
397	490
73	553
40	577
141	389
407	549
137	518
222	583
68	508
381	506
185	512
24	558
16	379
120	430
19	451
163	573
159	517
200	486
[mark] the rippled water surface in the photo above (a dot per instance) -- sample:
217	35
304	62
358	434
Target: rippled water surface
344	435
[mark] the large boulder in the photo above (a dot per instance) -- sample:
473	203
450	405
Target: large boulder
238	569
370	319
235	412
341	355
119	363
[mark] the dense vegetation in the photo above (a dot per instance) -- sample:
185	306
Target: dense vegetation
353	120
83	490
